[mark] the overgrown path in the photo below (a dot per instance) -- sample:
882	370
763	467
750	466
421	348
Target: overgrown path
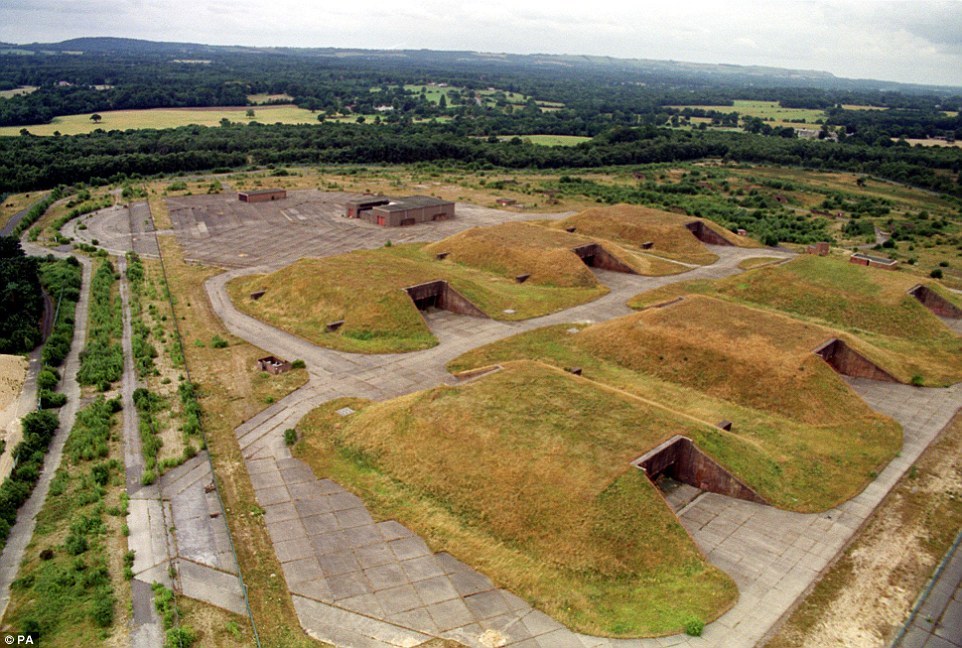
22	531
145	519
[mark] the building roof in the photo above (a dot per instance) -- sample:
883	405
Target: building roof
859	255
414	202
367	200
261	192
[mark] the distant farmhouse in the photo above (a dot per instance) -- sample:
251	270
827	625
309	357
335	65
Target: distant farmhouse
388	212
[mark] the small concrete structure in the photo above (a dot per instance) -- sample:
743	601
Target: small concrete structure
387	212
521	278
724	425
680	459
257	294
333	326
706	234
821	248
935	302
273	365
846	361
439	294
872	261
261	195
595	256
505	202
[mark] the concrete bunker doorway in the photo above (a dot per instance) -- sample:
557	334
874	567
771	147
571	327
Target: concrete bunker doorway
848	362
440	295
595	256
935	302
682	472
706	234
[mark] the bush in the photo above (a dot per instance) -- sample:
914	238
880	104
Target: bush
694	626
51	399
917	380
290	436
217	342
298	364
181	637
936	274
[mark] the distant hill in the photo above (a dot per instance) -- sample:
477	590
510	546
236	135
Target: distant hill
637	70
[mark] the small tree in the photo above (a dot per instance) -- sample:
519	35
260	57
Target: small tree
95	118
250	113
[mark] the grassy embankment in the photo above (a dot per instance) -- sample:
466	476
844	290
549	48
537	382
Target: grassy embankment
535	490
802	438
870	305
364	288
231	391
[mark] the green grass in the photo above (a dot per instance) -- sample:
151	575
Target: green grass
535	490
165	118
364	288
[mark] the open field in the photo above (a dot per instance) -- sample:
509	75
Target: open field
934	142
16	92
770	111
865	596
165	118
809	441
364	289
554	140
17	202
13	371
536	491
871	305
263	98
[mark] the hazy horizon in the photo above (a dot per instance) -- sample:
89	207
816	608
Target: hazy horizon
885	40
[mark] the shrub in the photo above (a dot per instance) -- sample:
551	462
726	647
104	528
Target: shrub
51	399
936	274
917	380
290	436
217	342
694	626
298	364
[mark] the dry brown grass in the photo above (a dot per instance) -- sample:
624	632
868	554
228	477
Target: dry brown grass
758	262
865	596
230	394
365	289
17	202
802	438
634	225
536	491
871	305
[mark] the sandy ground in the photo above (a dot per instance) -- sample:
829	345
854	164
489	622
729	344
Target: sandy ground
13	371
887	566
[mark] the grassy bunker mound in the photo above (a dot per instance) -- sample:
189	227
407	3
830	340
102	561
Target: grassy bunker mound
525	474
513	249
814	442
634	226
365	290
870	304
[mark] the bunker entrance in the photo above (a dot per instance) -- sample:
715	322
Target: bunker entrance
706	234
682	471
935	302
595	256
848	362
440	295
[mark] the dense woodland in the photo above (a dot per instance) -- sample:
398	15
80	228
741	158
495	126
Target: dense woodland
622	105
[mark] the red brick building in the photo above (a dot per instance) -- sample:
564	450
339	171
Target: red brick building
261	195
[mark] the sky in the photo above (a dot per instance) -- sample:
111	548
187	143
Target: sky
892	40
